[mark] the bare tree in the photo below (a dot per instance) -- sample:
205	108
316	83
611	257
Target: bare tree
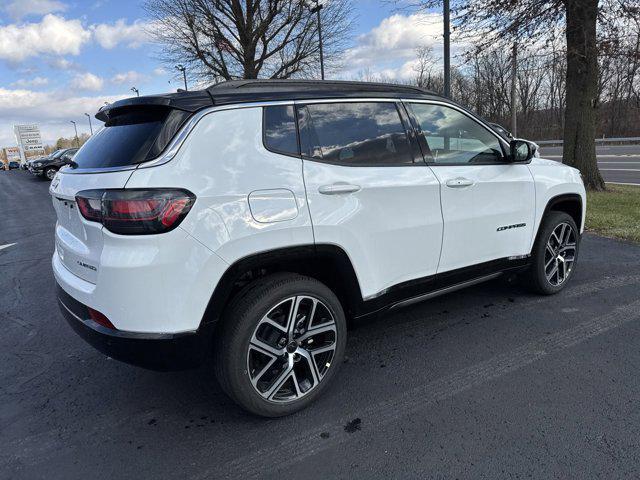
493	22
234	39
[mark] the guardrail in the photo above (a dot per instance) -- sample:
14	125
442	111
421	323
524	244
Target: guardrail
598	140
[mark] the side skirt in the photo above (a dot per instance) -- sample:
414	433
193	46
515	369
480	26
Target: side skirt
429	287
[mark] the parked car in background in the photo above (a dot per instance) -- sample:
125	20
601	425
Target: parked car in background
49	166
14	165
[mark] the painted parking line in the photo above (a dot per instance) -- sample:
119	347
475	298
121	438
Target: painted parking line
306	444
2	247
620	169
623	163
624	183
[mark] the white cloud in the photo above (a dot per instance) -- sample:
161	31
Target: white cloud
31	82
87	81
111	35
18	9
131	77
51	110
389	49
62	63
159	71
53	35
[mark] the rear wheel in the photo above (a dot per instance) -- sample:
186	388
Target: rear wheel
282	340
554	253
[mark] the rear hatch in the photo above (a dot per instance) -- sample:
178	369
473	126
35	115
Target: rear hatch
131	135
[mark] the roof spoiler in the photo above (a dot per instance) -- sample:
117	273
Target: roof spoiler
187	101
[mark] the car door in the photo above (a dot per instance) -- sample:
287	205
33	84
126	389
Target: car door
370	192
488	203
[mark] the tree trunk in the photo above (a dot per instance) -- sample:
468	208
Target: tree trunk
582	88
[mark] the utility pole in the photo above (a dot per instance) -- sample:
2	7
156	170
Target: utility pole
90	127
183	69
514	77
447	48
137	92
316	10
76	129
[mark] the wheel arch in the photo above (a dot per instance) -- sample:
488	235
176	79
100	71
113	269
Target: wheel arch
569	203
325	262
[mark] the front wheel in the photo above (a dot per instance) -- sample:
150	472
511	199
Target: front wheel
49	173
554	254
281	341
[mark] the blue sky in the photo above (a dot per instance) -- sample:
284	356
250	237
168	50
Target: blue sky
61	58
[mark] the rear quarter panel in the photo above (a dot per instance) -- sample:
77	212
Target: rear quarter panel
223	162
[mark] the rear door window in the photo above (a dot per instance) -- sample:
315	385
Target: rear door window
354	133
130	138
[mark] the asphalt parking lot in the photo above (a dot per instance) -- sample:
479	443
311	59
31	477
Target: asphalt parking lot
489	382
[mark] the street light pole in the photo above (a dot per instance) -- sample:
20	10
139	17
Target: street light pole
183	69
76	129
316	10
447	48
137	92
90	127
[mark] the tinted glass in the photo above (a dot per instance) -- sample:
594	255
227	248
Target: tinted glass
130	138
456	138
354	133
280	129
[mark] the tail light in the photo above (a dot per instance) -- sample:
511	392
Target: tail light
136	211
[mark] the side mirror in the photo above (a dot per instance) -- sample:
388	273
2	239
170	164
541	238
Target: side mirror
521	151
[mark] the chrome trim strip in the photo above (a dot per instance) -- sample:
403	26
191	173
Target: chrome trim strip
443	291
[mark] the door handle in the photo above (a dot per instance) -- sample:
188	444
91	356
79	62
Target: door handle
459	182
338	188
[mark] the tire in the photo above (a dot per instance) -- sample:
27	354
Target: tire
276	367
551	252
49	173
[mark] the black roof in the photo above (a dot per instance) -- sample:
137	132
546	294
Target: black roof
243	91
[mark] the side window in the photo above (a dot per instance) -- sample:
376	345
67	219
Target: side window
279	123
367	133
455	138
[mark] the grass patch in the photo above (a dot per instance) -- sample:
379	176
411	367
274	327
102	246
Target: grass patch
615	213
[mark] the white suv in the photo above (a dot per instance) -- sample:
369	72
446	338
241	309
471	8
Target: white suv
253	218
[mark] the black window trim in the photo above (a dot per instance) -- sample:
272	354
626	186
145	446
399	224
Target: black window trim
408	130
295	119
425	145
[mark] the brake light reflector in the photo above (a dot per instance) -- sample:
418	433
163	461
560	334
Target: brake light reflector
100	318
136	211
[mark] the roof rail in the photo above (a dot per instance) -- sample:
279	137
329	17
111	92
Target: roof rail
302	84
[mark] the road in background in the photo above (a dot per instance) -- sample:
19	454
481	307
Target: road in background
489	382
617	163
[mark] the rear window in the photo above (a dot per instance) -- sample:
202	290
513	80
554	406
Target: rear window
131	138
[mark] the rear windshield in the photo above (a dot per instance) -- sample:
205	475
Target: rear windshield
131	138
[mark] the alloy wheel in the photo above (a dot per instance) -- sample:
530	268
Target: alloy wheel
291	349
560	254
50	173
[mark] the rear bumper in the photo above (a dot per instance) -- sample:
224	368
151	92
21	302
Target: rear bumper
154	351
